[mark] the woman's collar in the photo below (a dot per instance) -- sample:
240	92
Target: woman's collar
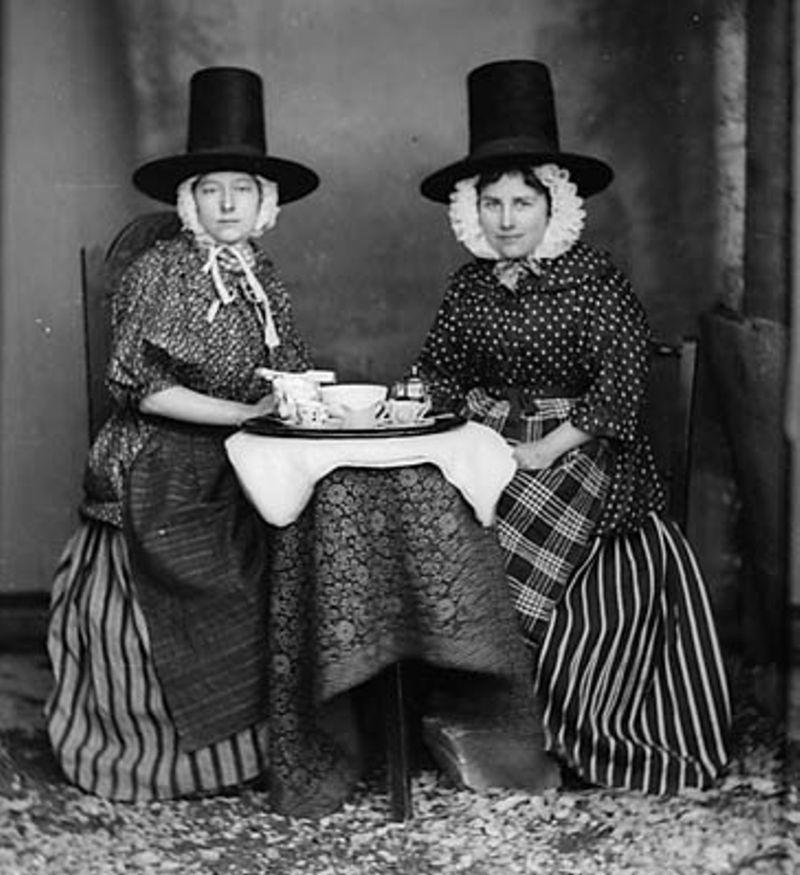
578	263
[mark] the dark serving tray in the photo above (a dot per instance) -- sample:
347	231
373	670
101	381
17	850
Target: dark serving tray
274	427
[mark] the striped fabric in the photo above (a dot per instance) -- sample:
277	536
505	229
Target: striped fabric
106	715
630	670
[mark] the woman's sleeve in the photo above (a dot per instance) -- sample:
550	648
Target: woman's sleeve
146	314
617	355
442	362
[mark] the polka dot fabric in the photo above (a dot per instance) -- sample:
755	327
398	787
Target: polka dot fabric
576	330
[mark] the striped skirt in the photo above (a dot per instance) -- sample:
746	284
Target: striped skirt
630	672
107	718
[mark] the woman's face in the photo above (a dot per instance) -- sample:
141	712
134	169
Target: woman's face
513	215
227	205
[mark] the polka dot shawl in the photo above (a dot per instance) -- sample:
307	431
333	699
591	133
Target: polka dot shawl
576	330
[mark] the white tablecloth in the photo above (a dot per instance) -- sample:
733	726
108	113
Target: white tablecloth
279	474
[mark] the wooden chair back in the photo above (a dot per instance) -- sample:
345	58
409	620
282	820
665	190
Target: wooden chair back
100	274
668	419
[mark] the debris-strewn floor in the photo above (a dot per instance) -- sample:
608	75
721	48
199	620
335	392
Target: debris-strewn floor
750	824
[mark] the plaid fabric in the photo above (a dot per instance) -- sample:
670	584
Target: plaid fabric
546	521
548	413
531	423
481	407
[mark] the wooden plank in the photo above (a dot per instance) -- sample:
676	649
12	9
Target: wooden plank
792	412
747	364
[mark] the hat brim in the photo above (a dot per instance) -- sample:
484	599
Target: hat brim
160	179
590	175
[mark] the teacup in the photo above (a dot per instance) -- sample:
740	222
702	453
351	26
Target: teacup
405	411
355	405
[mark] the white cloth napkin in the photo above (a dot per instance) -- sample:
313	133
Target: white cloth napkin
278	474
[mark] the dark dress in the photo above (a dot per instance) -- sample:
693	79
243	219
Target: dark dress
606	589
112	727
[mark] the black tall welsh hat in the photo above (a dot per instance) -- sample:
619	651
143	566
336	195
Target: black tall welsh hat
226	132
512	121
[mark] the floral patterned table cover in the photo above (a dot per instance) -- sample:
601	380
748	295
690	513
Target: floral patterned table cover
383	565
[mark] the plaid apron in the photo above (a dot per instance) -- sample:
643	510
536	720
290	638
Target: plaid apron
545	519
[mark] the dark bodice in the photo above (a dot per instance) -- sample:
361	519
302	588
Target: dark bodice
164	336
576	330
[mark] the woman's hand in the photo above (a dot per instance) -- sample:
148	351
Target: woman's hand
544	453
534	456
186	405
265	406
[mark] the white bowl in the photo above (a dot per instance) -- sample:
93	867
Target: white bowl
353	396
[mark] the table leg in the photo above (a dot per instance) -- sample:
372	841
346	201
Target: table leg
397	752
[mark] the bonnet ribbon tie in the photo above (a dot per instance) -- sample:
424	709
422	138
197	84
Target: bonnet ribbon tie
509	271
233	259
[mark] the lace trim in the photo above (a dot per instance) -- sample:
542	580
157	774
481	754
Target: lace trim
567	216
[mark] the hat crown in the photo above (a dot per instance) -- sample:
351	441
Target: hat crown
226	132
511	108
512	123
226	112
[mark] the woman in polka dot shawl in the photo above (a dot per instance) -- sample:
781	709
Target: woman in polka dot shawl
542	338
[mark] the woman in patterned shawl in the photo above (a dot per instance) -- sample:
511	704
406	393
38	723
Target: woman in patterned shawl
151	700
542	338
